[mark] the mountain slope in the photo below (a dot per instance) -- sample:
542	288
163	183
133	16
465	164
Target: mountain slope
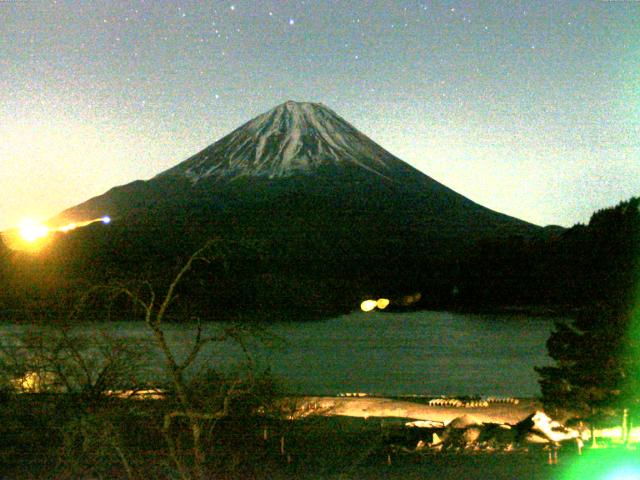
291	141
329	208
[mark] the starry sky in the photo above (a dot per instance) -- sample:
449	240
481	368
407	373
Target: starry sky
529	108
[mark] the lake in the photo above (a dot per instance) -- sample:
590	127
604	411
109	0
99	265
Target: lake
423	353
431	353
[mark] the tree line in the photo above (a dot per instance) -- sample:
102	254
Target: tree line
596	371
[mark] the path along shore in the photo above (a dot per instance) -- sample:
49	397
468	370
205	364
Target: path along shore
367	407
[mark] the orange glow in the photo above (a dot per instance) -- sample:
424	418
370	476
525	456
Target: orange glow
411	299
66	228
35	382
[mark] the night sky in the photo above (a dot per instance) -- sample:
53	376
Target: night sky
529	108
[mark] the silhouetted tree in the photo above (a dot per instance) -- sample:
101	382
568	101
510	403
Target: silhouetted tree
188	401
597	355
597	359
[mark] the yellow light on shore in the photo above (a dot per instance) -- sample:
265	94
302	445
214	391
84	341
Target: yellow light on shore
382	303
368	305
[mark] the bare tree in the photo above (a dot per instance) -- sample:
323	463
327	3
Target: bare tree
83	371
65	373
189	408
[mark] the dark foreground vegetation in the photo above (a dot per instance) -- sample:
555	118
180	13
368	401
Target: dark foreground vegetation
66	409
70	399
53	436
50	436
595	377
67	436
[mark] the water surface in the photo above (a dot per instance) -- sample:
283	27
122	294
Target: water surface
427	353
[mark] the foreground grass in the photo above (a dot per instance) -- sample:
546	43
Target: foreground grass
42	439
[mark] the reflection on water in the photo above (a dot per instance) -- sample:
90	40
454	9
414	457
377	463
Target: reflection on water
430	353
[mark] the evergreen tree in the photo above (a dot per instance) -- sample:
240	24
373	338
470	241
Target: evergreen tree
597	355
597	364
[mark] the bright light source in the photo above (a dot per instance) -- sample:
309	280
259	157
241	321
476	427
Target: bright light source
624	473
106	219
31	231
382	303
603	464
368	305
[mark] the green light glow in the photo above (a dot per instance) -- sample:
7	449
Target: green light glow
605	464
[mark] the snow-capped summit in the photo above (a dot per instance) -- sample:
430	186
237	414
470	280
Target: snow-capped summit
292	138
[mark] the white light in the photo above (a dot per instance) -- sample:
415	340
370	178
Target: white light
106	219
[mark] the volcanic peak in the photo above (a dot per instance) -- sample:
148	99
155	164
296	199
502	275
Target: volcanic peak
292	138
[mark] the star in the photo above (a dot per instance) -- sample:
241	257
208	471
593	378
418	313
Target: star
291	21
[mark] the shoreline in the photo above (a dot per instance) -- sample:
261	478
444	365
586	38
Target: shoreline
382	407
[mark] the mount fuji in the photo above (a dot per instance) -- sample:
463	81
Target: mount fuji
292	145
327	204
